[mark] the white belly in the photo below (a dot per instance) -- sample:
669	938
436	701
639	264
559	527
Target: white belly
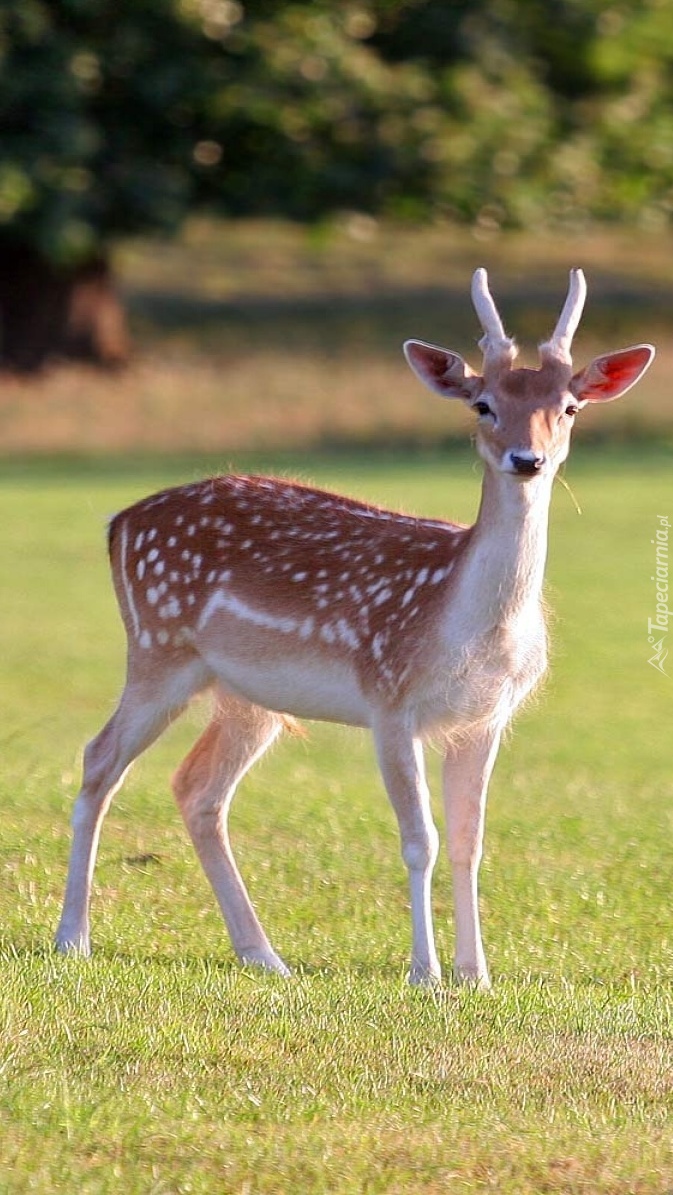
322	690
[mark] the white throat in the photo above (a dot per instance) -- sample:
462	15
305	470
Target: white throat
503	572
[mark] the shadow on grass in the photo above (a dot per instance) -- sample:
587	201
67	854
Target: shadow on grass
362	971
635	448
219	964
386	317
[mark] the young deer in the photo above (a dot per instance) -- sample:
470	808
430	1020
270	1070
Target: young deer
291	602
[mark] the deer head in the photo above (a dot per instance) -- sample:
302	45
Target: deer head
526	416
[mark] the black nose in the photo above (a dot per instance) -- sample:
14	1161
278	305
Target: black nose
527	465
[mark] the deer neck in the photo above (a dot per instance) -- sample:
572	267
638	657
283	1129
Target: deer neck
504	566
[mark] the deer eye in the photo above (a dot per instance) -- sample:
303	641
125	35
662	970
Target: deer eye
572	409
482	408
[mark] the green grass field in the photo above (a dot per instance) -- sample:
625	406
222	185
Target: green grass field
160	1066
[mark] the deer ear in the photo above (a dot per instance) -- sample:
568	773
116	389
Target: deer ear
611	376
442	371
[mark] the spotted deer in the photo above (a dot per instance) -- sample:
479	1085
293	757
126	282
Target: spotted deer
290	602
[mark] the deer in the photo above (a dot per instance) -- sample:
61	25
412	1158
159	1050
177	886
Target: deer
288	602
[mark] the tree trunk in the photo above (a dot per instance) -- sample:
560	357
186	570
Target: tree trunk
49	313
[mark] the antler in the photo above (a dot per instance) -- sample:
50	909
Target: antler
560	343
495	344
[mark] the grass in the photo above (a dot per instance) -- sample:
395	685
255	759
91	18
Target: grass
257	339
160	1066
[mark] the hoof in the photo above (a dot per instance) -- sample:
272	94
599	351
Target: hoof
472	977
77	945
421	977
265	961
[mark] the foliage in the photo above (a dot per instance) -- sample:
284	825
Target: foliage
96	106
120	116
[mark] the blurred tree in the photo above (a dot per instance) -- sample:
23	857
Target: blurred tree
308	119
554	112
120	116
410	108
495	112
96	106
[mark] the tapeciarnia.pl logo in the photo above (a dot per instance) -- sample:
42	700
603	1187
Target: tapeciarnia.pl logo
657	627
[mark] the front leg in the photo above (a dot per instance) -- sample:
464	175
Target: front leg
467	771
400	757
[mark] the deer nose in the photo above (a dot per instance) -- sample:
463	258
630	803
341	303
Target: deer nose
526	463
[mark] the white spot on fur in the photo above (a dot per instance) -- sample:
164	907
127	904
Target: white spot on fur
378	644
240	609
170	609
376	585
346	634
184	635
384	596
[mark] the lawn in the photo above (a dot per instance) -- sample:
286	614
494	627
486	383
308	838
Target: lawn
252	338
160	1066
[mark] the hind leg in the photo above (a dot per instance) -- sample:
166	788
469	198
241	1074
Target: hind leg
204	786
147	706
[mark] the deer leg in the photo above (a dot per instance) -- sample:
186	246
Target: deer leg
400	757
145	710
467	771
204	786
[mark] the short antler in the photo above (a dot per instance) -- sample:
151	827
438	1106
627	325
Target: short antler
495	344
560	344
